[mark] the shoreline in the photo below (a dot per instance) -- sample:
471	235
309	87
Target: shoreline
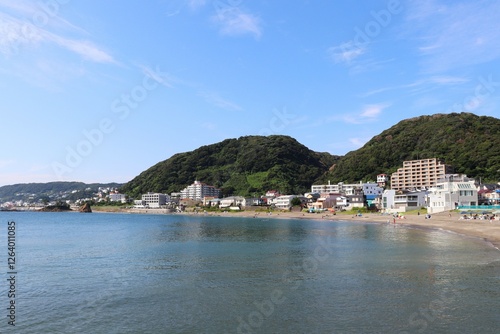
445	222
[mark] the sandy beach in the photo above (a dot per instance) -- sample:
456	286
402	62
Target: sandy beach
483	229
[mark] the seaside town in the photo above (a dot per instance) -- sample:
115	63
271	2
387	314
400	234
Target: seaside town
427	184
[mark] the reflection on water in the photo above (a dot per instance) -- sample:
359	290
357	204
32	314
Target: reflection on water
112	273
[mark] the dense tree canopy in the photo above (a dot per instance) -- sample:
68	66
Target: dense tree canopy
248	165
470	143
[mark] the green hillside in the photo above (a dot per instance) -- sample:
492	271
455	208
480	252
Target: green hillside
466	141
248	165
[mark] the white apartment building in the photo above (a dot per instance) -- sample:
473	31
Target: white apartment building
398	201
155	200
325	188
118	198
419	174
451	191
232	201
382	180
198	190
341	187
284	202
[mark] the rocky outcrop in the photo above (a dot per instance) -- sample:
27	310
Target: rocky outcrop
55	208
85	208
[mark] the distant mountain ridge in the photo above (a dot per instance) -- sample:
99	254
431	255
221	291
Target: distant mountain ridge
51	190
249	165
470	143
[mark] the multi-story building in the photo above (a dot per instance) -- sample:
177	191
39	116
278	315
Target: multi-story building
451	191
114	197
155	200
198	190
284	202
325	188
232	201
402	201
382	180
419	174
348	189
341	187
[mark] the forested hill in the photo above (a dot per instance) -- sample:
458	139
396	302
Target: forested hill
248	165
466	141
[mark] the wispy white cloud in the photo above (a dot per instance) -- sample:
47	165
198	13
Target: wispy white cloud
234	21
165	79
346	52
85	49
373	110
220	102
368	65
16	32
369	113
428	83
454	34
195	4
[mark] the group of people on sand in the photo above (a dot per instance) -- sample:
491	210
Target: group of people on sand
480	217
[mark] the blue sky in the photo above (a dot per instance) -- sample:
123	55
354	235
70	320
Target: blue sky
99	91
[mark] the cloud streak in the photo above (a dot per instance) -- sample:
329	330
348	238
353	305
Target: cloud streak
454	35
17	32
369	113
235	21
218	101
346	53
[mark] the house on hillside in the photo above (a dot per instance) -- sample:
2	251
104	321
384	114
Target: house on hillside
115	197
382	180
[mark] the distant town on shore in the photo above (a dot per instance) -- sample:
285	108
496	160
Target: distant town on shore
427	184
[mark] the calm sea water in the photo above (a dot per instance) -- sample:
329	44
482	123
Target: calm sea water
114	273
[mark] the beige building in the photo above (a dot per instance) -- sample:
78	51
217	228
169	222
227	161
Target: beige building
419	174
198	190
